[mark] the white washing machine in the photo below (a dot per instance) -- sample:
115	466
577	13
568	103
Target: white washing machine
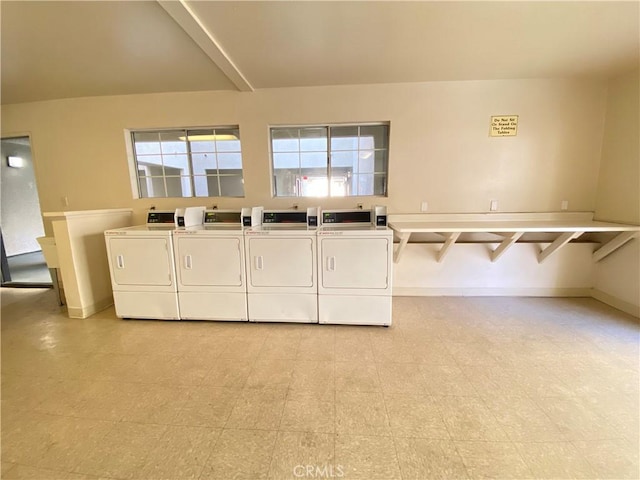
210	268
142	268
355	261
282	268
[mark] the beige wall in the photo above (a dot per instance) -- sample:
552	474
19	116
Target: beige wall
618	195
440	150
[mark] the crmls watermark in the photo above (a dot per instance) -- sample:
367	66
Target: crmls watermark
318	471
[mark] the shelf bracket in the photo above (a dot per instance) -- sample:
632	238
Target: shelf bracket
557	244
506	243
612	245
404	239
451	239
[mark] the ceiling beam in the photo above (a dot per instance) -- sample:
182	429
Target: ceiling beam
190	23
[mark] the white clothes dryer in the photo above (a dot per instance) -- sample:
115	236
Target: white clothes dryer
282	268
142	268
355	260
210	268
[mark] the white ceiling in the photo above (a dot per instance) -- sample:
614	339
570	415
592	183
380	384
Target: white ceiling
72	49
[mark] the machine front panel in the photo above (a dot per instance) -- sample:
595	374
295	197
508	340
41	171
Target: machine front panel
213	306
283	307
354	263
153	305
208	261
284	217
141	261
159	218
219	217
281	262
355	309
354	216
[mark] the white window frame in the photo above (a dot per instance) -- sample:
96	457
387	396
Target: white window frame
135	179
328	127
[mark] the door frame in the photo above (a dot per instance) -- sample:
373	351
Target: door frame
6	280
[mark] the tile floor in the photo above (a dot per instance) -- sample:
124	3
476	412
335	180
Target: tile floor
456	388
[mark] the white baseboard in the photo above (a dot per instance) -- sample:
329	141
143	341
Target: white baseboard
603	297
88	310
615	302
491	292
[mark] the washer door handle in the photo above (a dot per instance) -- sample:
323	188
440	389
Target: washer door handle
187	262
259	262
120	261
331	264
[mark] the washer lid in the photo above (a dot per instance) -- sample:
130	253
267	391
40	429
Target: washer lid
354	230
143	230
211	229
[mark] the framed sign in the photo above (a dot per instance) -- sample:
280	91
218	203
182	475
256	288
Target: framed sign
503	126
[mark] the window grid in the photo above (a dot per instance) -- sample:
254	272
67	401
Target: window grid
165	147
356	178
358	151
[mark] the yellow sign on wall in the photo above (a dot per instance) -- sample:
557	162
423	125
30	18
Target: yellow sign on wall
504	126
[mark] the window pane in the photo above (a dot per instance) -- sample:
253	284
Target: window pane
201	141
313	140
286	160
285	140
286	182
143	191
152	187
178	186
200	186
344	138
314	186
374	136
186	186
340	186
381	161
344	159
206	186
146	143
227	140
213	185
314	160
380	184
365	184
150	165
203	163
174	142
229	161
231	186
176	164
366	143
366	161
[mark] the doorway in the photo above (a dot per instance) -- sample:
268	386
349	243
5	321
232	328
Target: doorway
21	257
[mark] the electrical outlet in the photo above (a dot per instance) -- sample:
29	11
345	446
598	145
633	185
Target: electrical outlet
424	206
564	205
493	206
